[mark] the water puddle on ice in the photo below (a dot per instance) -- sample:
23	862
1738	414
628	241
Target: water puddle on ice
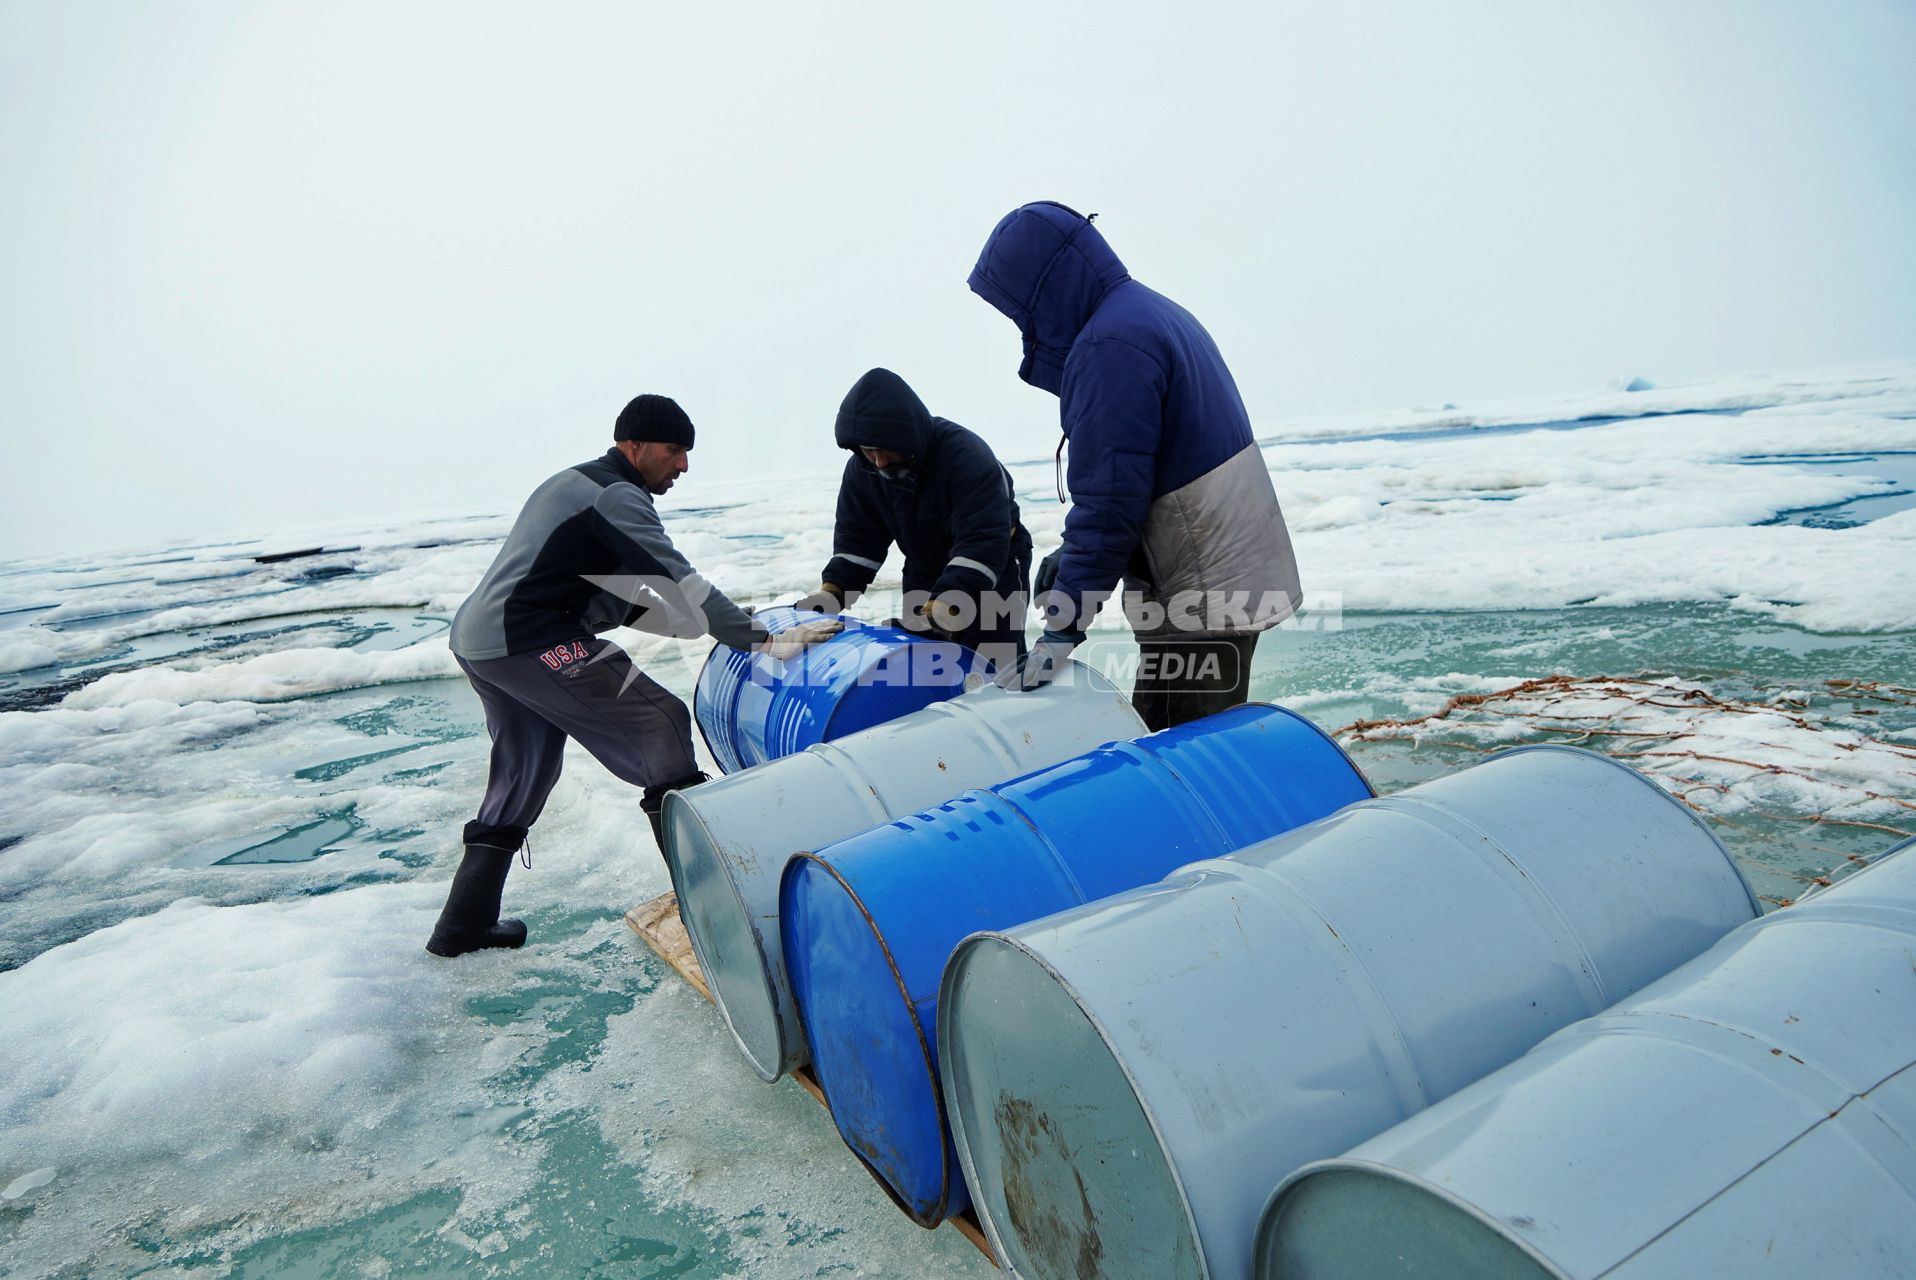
1478	431
1896	471
302	844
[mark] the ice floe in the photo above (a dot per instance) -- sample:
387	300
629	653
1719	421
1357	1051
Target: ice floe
230	795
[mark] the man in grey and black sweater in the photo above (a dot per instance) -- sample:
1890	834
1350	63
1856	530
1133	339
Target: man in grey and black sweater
587	553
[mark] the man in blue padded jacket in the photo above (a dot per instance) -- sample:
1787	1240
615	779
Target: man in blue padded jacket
1169	491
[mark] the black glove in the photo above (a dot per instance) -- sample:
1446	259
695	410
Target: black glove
829	598
932	618
1047	573
1041	666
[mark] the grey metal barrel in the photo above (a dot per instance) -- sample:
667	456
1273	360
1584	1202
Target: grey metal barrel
726	841
1129	1079
1751	1115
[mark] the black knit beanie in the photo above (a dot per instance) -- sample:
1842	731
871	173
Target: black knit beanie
654	418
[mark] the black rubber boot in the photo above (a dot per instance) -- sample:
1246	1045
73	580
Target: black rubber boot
653	804
470	921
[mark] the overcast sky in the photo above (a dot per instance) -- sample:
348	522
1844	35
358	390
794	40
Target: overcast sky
276	265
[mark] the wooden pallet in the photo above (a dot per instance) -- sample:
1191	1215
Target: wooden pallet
658	925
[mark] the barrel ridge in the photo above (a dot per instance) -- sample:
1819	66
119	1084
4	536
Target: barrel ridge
1544	907
1695	819
1297	904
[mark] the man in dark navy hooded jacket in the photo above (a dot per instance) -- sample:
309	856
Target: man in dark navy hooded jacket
938	491
1169	491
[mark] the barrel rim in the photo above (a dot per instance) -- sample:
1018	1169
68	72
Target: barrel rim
1267	1219
676	801
946	989
1886	916
1696	819
941	1209
1817	893
720	758
1308	723
706	738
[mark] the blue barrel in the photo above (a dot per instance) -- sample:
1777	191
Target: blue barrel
868	922
752	707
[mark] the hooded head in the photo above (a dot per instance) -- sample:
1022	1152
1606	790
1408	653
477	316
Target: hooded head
882	412
1047	268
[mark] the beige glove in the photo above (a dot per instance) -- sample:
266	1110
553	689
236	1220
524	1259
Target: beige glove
796	640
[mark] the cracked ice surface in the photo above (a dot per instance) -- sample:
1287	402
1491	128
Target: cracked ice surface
229	795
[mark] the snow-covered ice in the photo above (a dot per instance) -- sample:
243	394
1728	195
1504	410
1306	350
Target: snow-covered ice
230	794
269	677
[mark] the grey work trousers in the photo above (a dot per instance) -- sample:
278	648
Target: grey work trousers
589	691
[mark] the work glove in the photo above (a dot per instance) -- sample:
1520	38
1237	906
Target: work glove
1047	573
793	641
1041	666
829	598
934	618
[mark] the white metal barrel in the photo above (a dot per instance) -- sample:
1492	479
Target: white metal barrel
1128	1080
726	841
1751	1115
